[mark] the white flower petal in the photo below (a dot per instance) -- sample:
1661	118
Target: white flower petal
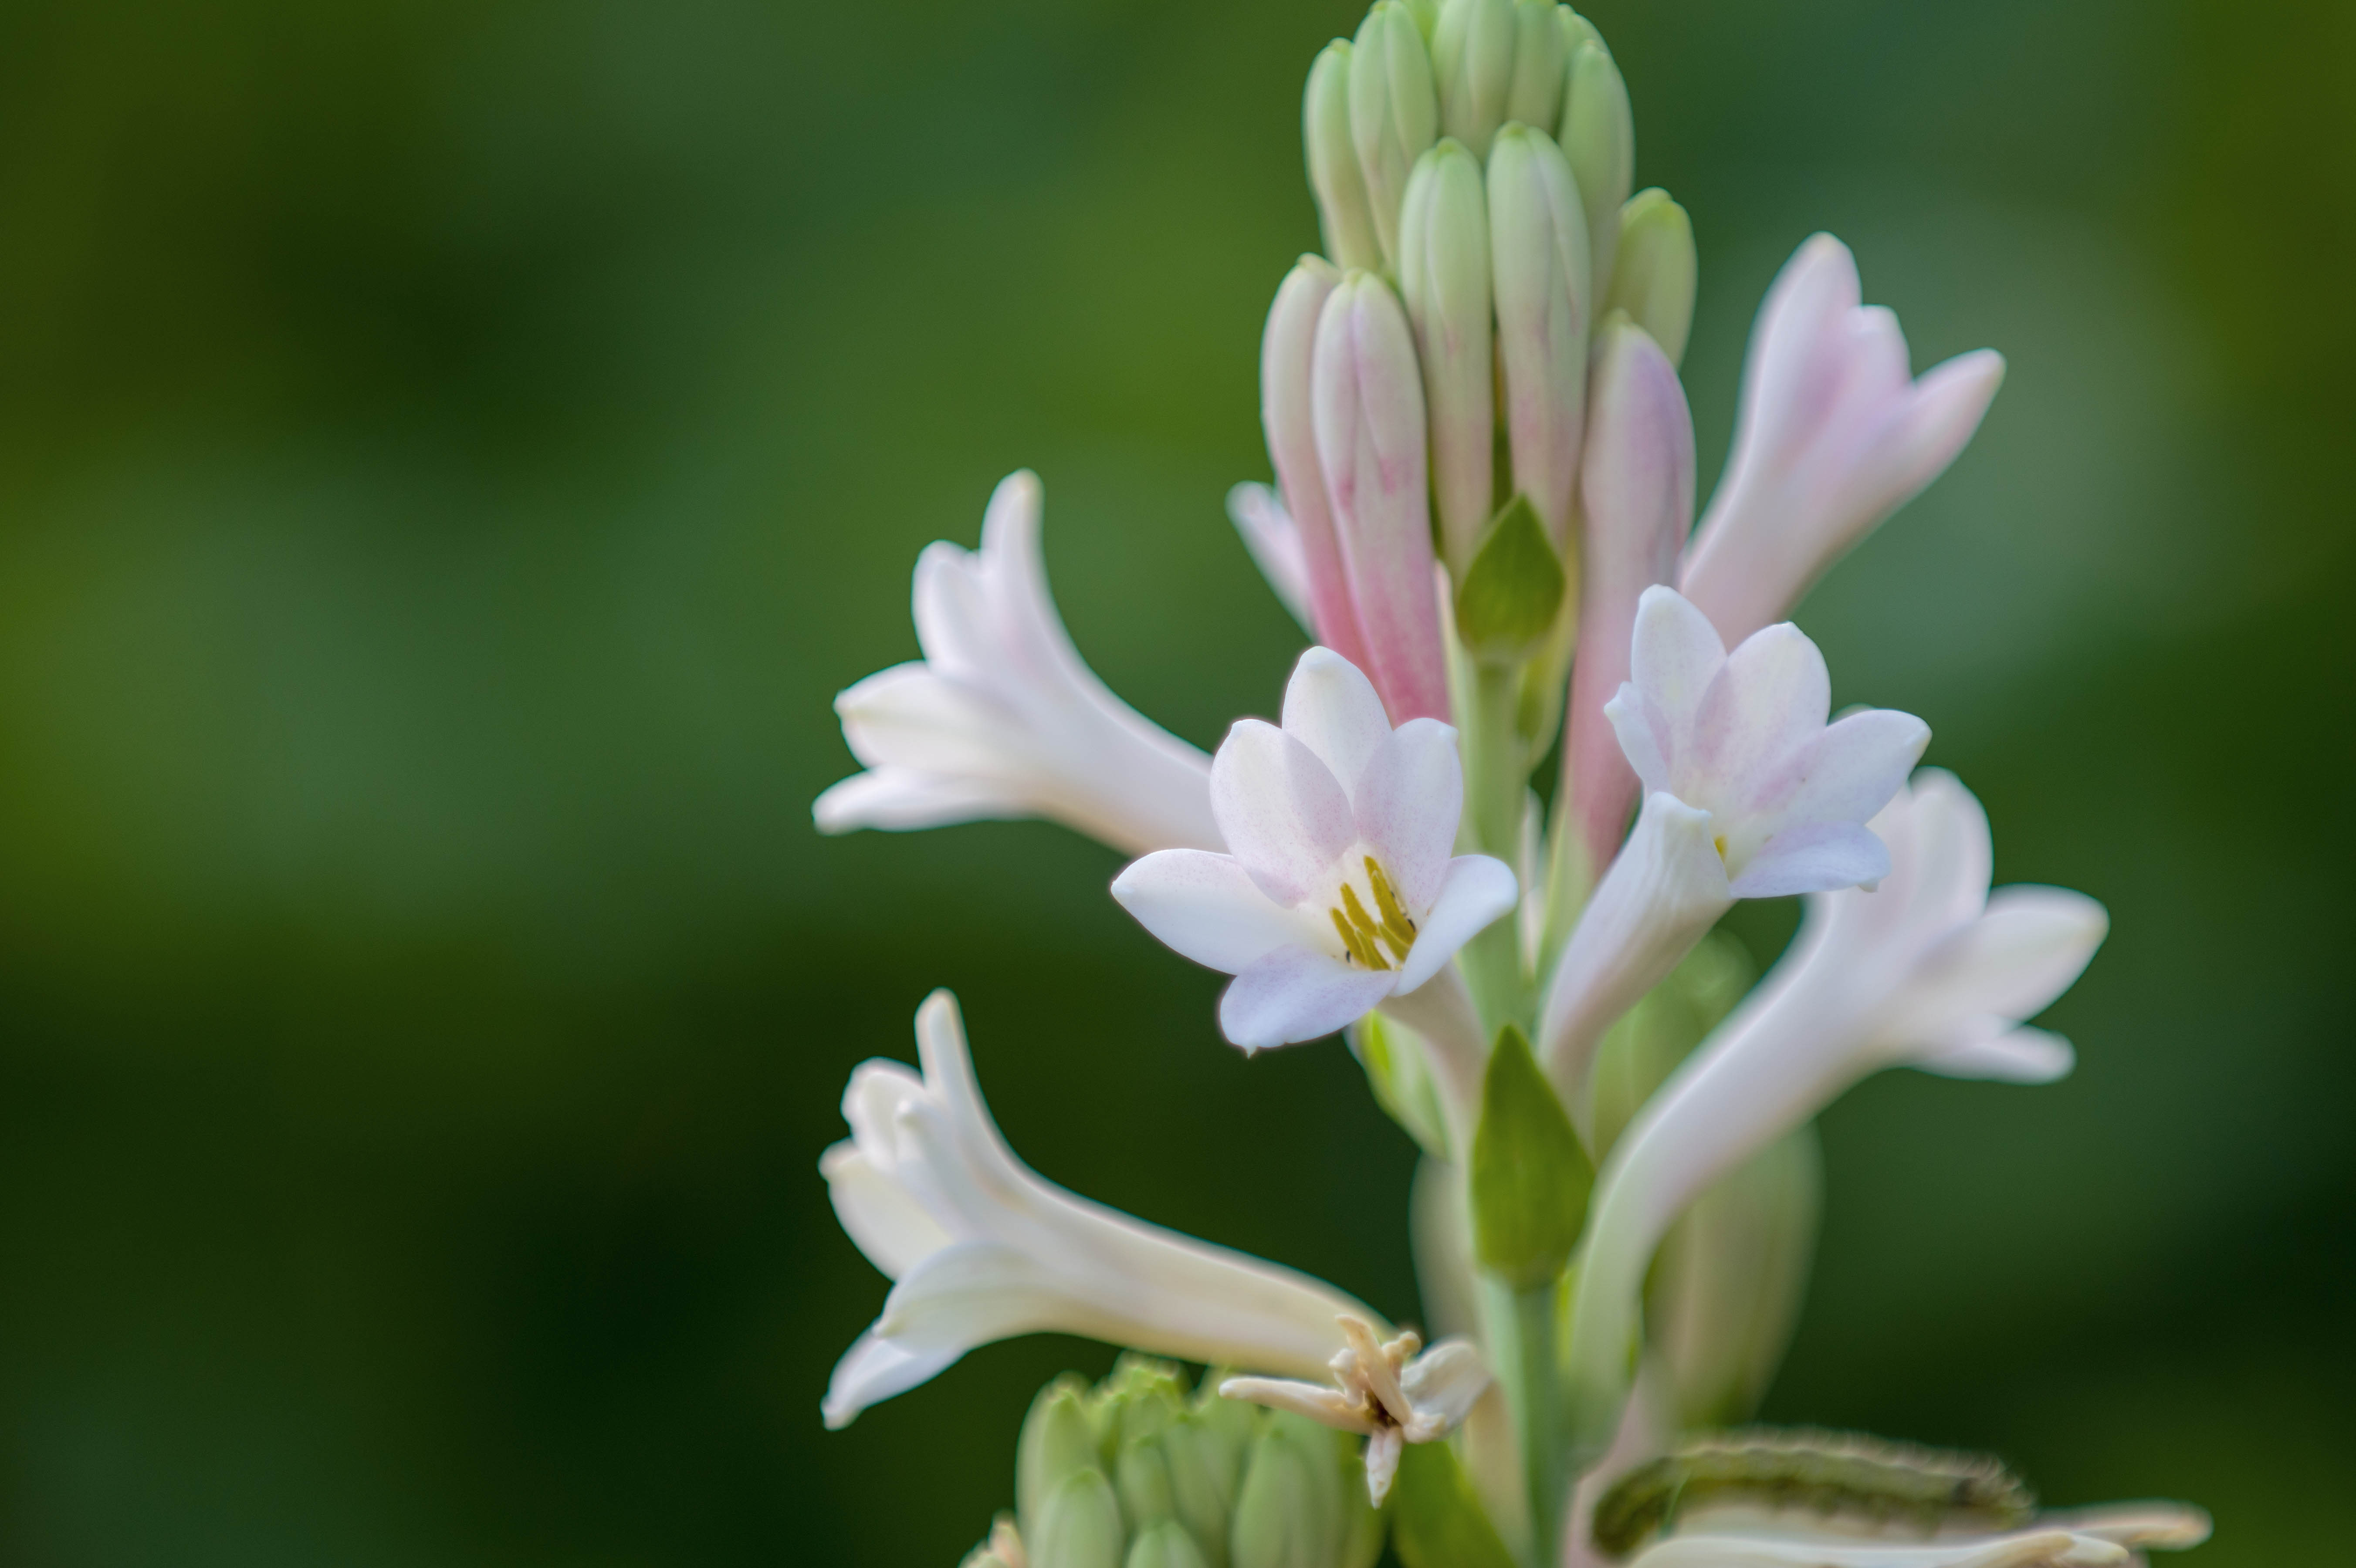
1673	655
899	799
1855	767
2013	1056
878	1214
1294	994
1407	807
873	1370
1206	907
1445	1382
1474	892
1275	543
2027	1549
1812	858
2024	951
1332	708
1772	695
1284	815
1382	1453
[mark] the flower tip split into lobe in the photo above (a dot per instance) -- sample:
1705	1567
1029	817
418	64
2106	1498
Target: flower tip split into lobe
1339	889
1835	435
1001	718
1391	1394
1750	793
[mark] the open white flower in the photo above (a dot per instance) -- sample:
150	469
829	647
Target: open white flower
1000	718
2091	1537
982	1248
1340	890
1391	1394
1750	793
1835	435
1929	970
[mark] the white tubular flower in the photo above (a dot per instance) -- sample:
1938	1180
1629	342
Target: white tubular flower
1276	545
1000	718
1929	970
1339	890
1636	485
1748	794
1835	435
2092	1538
982	1248
1387	1392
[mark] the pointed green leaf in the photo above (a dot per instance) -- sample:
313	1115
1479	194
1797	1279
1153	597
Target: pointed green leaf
1513	588
1531	1178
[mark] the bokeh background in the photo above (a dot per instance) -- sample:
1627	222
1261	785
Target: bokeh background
450	453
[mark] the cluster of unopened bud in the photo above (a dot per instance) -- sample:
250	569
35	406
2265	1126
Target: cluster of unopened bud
1137	1472
1425	382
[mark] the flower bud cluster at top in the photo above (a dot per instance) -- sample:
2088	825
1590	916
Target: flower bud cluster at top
1472	161
1136	1473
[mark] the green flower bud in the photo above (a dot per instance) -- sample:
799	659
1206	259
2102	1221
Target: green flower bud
1079	1525
1058	1441
1540	59
1203	1466
1576	30
1473	64
1291	1512
1439	1522
1540	257
1599	137
1729	1277
1002	1550
1166	1545
1394	111
1653	278
1343	213
1444	279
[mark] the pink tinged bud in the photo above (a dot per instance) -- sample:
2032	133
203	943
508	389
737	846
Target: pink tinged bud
1394	111
1444	279
1473	62
1833	436
1637	490
1287	351
1367	402
1538	252
1344	214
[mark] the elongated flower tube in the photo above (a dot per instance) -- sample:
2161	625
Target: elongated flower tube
1636	487
1539	249
1339	890
982	1248
1367	403
1597	134
1835	435
1749	794
1444	280
1929	970
1001	718
1287	357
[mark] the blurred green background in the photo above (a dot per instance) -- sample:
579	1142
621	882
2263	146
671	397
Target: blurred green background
451	454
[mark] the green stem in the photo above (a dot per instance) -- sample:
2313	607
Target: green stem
1523	1336
1496	785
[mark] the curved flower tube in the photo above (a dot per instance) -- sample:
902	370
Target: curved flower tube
2092	1538
1001	719
1749	794
1340	891
1835	435
982	1248
1931	970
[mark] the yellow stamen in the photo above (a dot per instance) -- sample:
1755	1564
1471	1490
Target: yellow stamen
1397	929
1360	948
